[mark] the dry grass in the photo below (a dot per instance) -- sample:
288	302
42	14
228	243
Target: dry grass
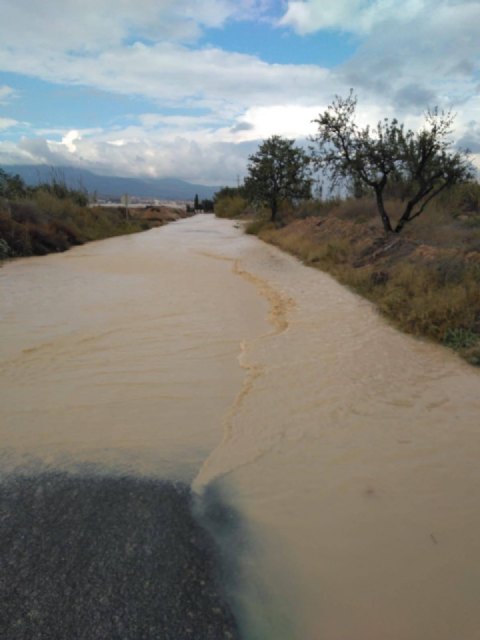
426	281
46	224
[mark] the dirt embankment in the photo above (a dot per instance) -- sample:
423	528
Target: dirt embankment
48	224
159	215
426	281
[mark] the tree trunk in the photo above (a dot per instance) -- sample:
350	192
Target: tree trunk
407	213
413	202
273	208
401	223
387	227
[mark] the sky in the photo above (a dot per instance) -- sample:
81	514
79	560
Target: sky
189	88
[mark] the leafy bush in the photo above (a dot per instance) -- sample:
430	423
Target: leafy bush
5	251
230	206
60	190
460	338
26	211
12	186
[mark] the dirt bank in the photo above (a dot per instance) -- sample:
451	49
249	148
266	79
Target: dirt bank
425	281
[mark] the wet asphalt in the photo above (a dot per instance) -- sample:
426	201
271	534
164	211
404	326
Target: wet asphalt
107	557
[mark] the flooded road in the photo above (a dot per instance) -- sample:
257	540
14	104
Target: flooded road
196	353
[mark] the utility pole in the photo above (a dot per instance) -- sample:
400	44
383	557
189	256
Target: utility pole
126	201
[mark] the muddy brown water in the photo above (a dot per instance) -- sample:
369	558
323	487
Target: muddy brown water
197	353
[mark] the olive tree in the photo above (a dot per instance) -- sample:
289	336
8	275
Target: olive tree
278	171
424	161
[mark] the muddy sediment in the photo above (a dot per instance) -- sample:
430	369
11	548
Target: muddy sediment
194	353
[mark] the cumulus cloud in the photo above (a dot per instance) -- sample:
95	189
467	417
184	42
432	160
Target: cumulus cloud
157	145
6	94
98	25
412	55
356	16
172	74
471	137
8	123
406	66
39	151
288	120
201	155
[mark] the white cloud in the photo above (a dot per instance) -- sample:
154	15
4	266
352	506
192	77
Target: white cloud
290	121
69	139
356	16
181	157
432	60
8	123
196	149
200	155
98	25
172	74
7	94
413	55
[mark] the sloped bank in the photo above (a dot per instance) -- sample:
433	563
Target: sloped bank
47	224
427	288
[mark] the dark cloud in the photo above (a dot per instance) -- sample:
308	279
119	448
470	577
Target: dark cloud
471	138
463	67
425	59
39	149
242	126
415	95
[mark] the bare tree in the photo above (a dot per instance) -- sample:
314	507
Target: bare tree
424	160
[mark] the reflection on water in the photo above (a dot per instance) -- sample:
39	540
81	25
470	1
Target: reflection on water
196	353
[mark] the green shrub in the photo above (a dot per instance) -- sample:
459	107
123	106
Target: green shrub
5	251
230	206
27	211
460	338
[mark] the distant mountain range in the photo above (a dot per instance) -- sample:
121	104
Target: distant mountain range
113	186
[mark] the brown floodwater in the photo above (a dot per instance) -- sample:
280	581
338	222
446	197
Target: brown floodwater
197	353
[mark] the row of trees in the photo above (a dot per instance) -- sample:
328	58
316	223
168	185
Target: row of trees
205	205
419	164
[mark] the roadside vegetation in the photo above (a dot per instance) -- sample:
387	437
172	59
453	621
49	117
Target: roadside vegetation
52	217
405	233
